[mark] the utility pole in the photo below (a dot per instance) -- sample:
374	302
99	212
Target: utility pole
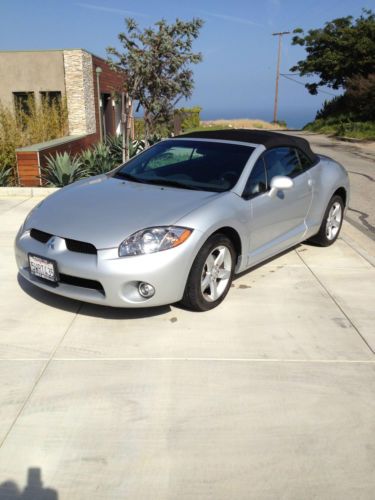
280	35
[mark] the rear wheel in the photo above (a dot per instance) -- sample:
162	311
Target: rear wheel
332	222
211	274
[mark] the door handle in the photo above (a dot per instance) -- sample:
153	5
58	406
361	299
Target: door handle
310	183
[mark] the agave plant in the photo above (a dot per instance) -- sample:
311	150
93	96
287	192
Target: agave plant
5	176
99	159
136	147
62	170
114	143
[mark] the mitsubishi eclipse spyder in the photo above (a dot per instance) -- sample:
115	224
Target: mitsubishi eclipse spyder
178	221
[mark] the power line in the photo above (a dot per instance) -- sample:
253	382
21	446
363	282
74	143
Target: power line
286	75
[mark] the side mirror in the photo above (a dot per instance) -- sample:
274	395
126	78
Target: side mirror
279	183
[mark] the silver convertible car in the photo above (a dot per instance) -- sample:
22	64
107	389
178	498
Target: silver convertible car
178	221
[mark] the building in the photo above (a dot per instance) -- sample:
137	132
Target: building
75	73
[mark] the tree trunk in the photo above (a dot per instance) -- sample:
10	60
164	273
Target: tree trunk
146	119
126	125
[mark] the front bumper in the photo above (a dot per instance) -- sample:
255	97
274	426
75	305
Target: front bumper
118	277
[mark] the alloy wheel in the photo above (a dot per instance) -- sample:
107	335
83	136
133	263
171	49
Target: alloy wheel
333	221
216	273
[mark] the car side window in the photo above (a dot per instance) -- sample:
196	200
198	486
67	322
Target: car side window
282	161
257	181
306	163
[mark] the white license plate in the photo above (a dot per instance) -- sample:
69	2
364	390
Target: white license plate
43	268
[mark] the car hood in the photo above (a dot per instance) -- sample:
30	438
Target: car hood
105	210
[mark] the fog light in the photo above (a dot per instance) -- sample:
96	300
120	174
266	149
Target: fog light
146	290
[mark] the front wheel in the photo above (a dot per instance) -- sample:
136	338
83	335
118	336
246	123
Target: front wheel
332	222
211	274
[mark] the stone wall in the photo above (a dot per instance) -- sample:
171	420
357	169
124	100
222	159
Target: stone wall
79	84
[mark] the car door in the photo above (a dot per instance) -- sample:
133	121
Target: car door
277	222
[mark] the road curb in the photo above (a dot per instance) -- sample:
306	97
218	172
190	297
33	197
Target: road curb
26	192
359	241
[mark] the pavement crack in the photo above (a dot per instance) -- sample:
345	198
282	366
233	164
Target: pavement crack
336	302
15	206
23	406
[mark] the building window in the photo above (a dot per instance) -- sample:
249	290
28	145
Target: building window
51	97
23	101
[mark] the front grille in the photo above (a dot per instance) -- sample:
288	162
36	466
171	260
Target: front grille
72	245
82	282
40	235
80	246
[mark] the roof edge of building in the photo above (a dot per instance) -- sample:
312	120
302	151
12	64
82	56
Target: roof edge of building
13	51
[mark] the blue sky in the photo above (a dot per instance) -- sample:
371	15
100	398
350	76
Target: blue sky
237	75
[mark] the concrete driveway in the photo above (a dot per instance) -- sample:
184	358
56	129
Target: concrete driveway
270	396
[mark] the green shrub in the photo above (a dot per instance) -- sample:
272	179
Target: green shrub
103	157
343	126
62	170
98	160
10	138
114	142
189	117
46	121
139	128
6	176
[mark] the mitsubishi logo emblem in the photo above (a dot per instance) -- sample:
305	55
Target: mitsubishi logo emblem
51	243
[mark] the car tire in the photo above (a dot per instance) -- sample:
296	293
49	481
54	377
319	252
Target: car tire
331	224
211	274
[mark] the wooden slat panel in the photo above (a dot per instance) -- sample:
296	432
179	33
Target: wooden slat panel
27	156
28	171
28	163
28	168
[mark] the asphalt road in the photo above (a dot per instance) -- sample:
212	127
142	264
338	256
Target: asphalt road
359	161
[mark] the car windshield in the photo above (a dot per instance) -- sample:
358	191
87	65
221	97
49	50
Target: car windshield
188	164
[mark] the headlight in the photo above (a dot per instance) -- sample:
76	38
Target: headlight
153	239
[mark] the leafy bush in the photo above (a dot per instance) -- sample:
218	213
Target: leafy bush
187	118
45	122
136	147
343	126
161	130
62	170
98	160
114	142
361	93
10	138
5	176
103	157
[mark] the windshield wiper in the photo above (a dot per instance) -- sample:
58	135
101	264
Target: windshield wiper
159	182
129	177
169	182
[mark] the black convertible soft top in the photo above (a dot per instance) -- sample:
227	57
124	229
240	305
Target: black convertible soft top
268	139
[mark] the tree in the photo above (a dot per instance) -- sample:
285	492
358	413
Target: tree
343	49
361	93
157	66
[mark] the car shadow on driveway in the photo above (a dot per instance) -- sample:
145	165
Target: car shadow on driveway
86	309
117	313
270	259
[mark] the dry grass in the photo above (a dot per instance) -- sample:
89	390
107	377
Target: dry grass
242	123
